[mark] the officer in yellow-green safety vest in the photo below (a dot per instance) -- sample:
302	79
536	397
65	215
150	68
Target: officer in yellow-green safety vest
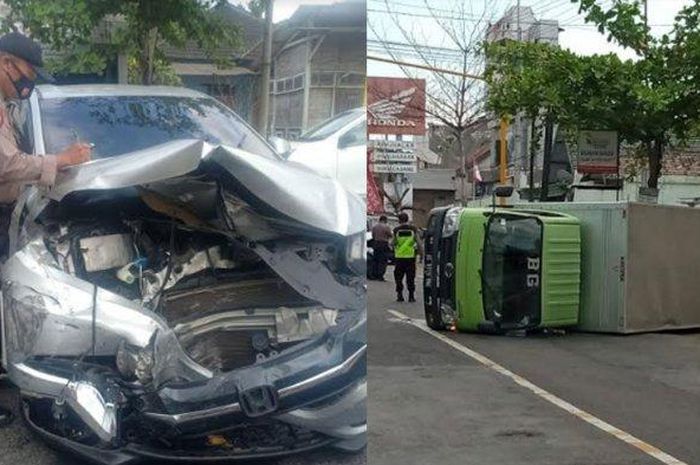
407	246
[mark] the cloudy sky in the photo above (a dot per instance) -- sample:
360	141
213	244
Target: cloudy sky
283	9
577	36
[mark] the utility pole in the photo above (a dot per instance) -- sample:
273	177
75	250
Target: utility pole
264	98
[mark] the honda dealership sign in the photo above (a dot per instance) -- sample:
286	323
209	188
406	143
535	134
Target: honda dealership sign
395	106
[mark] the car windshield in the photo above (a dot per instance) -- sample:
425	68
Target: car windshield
119	125
511	269
330	127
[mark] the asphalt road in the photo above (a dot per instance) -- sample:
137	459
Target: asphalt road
430	403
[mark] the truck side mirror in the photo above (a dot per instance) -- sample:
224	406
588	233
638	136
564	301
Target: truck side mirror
503	191
500	191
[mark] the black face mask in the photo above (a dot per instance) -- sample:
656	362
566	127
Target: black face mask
22	84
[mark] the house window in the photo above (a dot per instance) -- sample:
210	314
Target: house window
290	84
298	81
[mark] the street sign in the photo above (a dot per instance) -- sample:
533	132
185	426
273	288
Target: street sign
406	157
391	144
394	168
597	152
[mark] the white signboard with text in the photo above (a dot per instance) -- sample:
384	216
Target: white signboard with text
394	156
394	168
383	144
597	152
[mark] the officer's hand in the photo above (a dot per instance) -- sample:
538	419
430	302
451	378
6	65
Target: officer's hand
74	155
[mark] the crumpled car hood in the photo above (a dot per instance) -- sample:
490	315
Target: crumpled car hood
54	317
288	188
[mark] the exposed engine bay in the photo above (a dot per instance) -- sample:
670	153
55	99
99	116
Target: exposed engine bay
222	301
151	313
225	305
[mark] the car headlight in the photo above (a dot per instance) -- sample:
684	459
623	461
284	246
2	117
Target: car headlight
451	223
356	253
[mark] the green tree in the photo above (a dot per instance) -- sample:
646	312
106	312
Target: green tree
651	102
87	32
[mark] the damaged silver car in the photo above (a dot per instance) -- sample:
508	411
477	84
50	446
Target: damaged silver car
187	295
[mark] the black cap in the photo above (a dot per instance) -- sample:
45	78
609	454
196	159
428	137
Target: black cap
27	49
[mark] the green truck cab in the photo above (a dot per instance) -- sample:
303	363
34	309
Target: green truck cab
512	270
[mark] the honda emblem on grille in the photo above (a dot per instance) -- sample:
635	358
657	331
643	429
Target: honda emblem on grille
259	401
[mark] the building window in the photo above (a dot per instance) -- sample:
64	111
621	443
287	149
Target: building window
298	81
290	84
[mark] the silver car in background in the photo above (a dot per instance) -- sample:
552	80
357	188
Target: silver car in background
337	148
187	295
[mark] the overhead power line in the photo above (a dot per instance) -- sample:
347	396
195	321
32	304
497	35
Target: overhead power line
415	50
476	21
426	67
416	6
407	44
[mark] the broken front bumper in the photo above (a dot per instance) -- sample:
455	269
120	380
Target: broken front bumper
339	422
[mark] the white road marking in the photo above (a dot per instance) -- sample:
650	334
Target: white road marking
623	436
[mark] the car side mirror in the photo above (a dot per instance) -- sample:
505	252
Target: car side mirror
281	146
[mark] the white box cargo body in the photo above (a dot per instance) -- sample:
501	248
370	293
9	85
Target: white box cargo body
640	265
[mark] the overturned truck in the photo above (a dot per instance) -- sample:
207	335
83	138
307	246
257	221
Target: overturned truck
188	301
609	267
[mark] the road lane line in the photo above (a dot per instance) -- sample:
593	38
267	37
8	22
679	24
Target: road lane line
602	425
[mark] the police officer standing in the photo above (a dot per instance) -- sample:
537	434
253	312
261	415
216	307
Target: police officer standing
20	66
406	246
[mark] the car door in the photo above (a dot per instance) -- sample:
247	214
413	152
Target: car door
351	162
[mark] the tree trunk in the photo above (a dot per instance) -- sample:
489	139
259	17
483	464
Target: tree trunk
655	154
463	163
148	56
